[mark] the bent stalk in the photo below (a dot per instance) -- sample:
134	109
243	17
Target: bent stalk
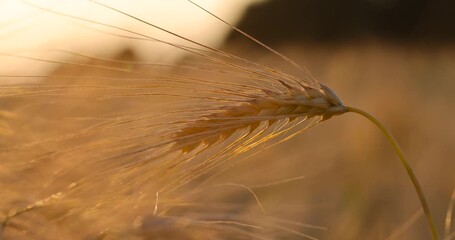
408	168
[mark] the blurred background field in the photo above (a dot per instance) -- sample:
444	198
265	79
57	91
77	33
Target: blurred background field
394	59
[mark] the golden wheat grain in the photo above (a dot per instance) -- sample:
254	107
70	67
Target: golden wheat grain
296	102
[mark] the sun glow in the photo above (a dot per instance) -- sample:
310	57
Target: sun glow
25	29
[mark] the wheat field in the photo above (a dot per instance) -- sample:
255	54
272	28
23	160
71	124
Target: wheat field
112	146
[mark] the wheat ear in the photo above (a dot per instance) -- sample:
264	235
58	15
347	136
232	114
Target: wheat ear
306	99
299	99
303	101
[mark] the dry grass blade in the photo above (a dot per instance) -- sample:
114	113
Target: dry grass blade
449	217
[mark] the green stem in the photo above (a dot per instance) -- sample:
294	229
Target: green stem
408	168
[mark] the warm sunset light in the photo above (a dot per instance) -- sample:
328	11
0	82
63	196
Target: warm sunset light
25	29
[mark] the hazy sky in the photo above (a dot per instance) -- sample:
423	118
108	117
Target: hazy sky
30	31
